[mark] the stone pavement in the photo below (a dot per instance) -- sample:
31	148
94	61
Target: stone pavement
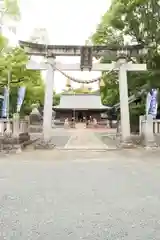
108	138
84	139
81	138
75	195
59	137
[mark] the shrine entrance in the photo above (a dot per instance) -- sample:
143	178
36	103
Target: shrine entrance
120	60
80	116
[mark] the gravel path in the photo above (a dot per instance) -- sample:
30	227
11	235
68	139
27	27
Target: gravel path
82	195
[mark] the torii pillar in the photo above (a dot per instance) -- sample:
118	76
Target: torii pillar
48	66
123	67
48	99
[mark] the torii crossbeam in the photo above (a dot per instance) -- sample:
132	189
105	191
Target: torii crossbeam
33	65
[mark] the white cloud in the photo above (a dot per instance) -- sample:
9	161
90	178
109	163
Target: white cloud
67	22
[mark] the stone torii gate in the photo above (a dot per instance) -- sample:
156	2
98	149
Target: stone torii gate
86	52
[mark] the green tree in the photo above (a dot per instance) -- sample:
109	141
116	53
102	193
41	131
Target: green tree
13	64
108	36
11	9
139	21
81	90
56	98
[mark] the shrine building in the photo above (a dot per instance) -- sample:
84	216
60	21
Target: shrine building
80	106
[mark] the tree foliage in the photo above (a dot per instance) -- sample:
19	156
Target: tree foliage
13	70
11	9
131	21
56	98
83	89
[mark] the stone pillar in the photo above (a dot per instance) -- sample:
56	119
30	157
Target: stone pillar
118	127
53	117
149	135
8	128
155	128
23	127
1	128
107	124
48	100
142	118
16	127
124	107
26	118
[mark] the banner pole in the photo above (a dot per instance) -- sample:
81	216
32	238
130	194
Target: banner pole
8	99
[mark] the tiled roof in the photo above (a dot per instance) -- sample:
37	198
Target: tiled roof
81	102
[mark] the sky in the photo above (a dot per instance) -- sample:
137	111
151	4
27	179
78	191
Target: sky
66	21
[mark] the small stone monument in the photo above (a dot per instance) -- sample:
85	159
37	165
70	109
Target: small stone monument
35	116
20	130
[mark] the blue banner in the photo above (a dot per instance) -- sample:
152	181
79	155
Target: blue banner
148	102
20	99
153	103
5	103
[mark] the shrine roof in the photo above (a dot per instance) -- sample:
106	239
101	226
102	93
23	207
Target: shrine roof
81	102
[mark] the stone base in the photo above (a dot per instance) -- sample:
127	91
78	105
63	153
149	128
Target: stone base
127	144
149	142
137	141
150	145
45	145
23	137
6	139
35	128
12	144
